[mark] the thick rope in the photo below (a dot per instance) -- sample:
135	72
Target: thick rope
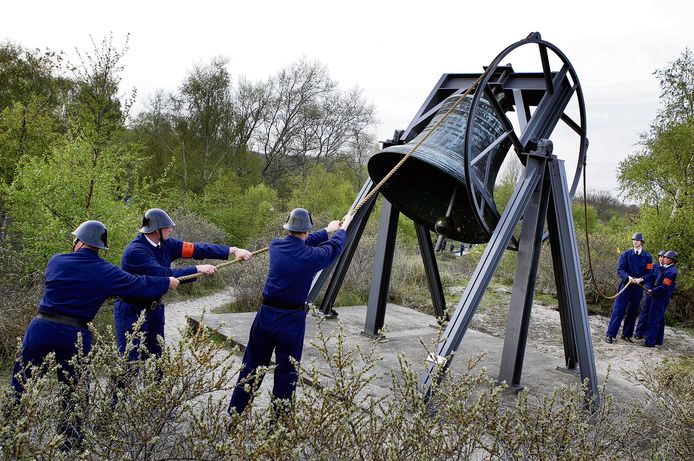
183	278
590	262
385	178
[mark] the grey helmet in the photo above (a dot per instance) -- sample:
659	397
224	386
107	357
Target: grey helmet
671	254
662	253
299	220
93	233
638	236
154	219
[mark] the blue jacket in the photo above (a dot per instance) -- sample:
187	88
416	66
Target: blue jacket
649	279
294	262
631	264
142	258
77	284
664	283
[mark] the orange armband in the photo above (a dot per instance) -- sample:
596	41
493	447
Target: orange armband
188	249
667	282
649	266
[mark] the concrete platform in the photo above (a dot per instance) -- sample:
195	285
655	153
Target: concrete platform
406	331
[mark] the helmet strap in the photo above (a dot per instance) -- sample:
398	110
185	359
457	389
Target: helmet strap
74	244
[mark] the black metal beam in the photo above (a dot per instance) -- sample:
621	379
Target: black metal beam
563	295
383	263
549	111
566	256
460	321
523	289
431	269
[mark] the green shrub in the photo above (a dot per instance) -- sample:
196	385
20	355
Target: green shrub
175	407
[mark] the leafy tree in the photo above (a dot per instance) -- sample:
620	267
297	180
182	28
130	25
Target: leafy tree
243	214
308	121
327	195
51	197
579	215
88	172
96	112
32	98
32	93
661	174
677	91
194	134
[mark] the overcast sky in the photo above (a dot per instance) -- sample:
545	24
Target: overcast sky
395	51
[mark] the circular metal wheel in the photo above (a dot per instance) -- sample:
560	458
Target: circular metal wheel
548	55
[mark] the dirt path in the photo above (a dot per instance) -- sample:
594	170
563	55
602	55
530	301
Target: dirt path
625	360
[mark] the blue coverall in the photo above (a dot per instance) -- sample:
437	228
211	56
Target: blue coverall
76	285
142	258
642	324
663	286
626	306
280	323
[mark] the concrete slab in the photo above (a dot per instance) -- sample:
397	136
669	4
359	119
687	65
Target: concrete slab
406	331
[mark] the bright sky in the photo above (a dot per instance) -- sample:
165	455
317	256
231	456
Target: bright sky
395	51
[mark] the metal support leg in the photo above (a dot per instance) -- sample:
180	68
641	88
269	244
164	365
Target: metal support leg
472	296
383	263
567	327
523	289
566	256
431	269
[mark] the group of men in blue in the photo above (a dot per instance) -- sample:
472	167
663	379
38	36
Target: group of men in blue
637	274
78	283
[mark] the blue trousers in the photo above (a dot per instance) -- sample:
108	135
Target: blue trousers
626	307
125	315
642	324
656	322
278	330
43	337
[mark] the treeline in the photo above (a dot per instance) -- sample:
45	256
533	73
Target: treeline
239	153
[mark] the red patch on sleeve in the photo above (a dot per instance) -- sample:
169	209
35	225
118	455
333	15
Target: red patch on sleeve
649	266
188	249
667	282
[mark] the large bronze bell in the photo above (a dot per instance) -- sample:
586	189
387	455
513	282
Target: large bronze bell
424	185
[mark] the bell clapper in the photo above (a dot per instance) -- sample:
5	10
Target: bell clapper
444	225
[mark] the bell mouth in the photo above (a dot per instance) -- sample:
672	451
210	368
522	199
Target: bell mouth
422	191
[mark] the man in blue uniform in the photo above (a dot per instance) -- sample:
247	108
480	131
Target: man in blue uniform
660	294
151	253
634	264
76	285
648	281
280	323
